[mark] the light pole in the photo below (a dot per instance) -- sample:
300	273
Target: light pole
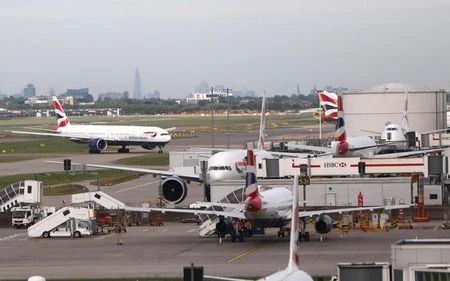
228	116
212	117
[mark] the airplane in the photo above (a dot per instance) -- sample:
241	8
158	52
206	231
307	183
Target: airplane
269	208
98	137
361	146
395	134
292	271
223	165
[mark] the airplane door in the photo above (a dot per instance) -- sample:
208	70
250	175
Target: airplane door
330	198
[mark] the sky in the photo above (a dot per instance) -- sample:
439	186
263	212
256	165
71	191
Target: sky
263	45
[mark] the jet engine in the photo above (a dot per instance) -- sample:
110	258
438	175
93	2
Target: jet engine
96	145
323	224
174	189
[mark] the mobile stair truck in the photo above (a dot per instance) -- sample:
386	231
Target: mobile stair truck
66	222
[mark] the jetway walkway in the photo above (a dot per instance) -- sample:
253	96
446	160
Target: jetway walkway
9	197
43	227
22	192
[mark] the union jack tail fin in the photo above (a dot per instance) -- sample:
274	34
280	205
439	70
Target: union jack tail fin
251	189
61	117
294	258
340	124
328	103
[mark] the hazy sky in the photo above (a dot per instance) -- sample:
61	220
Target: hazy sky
257	44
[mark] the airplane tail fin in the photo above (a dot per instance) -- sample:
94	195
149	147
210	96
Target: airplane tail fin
294	258
329	104
405	122
340	124
251	189
61	118
262	124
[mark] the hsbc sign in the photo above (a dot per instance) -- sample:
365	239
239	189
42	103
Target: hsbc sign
334	165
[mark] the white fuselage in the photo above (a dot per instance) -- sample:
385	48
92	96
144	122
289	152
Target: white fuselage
231	164
275	209
396	134
118	135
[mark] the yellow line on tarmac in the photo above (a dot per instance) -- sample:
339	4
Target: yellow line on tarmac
249	251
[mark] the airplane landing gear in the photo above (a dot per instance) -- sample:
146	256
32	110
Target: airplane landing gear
304	235
123	149
160	151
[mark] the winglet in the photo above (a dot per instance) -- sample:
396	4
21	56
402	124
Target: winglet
262	124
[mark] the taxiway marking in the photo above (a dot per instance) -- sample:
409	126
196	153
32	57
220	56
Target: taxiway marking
11	236
249	251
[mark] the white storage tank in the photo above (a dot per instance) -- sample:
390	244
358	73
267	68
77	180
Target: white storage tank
370	109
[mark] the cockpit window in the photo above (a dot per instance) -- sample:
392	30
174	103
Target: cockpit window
219	168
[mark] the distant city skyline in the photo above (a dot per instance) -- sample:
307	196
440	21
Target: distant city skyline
254	44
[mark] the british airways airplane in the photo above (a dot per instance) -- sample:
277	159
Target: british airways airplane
98	137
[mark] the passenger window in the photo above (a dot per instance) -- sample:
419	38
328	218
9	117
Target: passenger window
29	189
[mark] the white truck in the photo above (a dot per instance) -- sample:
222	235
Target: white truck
24	216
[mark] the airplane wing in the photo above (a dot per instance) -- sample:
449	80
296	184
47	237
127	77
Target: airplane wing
298	154
373	132
407	153
238	215
79	137
303	214
170	129
299	146
225	278
35	133
187	176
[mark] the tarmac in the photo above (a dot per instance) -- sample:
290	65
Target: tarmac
163	251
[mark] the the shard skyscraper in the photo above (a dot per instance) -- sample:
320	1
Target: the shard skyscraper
137	93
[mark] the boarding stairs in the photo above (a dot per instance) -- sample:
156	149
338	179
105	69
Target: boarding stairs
98	197
208	222
56	219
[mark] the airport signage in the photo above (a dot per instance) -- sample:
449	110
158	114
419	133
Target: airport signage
305	180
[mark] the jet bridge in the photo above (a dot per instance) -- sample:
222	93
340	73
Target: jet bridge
98	197
43	227
23	192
